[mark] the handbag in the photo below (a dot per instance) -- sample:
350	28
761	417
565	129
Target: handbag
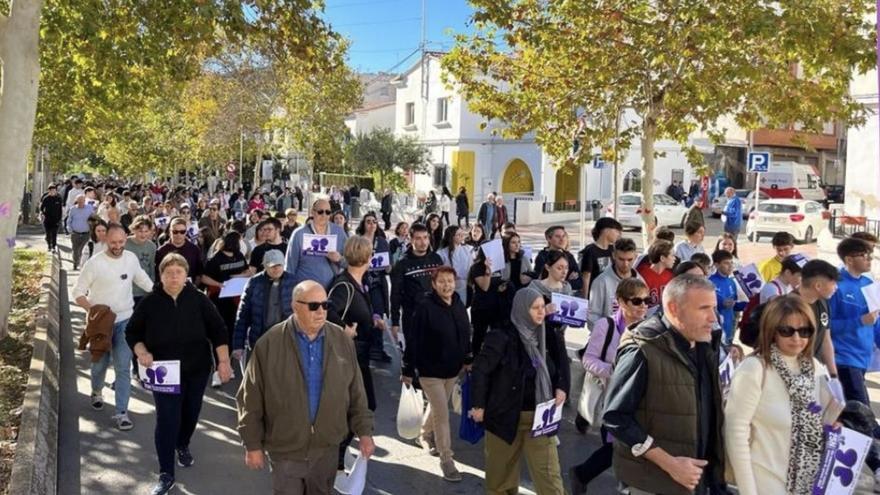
592	399
468	430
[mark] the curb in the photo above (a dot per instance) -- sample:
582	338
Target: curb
35	468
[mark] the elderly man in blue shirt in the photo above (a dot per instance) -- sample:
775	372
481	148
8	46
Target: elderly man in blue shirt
733	213
318	262
78	226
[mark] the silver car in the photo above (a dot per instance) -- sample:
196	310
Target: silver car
747	196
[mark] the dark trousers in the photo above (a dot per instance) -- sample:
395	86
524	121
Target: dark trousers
465	217
386	218
363	357
853	382
51	229
444	217
79	241
176	418
598	462
480	321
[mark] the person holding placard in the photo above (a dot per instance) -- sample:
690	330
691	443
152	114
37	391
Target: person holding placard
376	280
176	322
633	300
438	350
778	397
304	262
476	235
514	373
663	402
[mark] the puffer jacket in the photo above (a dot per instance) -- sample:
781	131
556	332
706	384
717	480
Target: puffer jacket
249	322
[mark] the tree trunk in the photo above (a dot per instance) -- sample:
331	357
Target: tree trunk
649	136
19	54
258	166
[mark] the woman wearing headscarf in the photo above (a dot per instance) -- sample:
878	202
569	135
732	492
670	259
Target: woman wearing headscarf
514	372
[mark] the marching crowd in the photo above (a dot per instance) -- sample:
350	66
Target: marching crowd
316	302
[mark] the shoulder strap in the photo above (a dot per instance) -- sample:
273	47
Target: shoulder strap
611	329
347	299
778	287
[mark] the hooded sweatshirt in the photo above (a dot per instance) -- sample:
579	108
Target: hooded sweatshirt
603	294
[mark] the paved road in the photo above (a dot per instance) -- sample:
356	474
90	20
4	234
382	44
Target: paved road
98	459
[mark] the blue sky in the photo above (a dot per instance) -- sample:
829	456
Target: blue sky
383	32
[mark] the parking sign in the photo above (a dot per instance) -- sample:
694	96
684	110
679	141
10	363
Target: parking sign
759	161
598	162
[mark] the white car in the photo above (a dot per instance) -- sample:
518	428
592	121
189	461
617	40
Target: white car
801	218
747	196
667	211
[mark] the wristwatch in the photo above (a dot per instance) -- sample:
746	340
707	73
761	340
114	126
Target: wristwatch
640	449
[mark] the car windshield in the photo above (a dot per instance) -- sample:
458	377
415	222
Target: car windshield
743	193
630	200
777	208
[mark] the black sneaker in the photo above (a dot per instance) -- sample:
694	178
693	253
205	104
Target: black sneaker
581	424
184	458
164	485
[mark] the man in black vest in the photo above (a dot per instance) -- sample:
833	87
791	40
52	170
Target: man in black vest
664	399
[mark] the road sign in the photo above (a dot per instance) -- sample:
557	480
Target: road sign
759	161
230	168
598	162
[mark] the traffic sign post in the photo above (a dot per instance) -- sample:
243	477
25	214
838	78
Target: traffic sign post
758	161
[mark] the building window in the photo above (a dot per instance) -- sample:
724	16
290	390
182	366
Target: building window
442	109
440	175
410	114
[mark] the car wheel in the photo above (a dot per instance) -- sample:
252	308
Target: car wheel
808	235
716	215
754	237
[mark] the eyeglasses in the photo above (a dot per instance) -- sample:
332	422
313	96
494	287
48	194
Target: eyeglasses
178	232
314	305
803	332
639	301
323	212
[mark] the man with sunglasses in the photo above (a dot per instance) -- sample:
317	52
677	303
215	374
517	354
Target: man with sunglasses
325	402
213	220
321	269
854	328
179	244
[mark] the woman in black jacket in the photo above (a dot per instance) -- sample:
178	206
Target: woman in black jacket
461	207
350	308
376	281
515	372
176	322
437	349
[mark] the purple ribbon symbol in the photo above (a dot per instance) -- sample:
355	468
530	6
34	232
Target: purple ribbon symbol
569	308
157	376
320	244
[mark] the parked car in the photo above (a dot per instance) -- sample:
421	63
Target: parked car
748	202
667	211
801	218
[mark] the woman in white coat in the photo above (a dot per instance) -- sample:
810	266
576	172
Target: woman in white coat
778	404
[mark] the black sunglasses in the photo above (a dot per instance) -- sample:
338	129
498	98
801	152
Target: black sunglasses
314	305
639	301
180	232
323	212
803	332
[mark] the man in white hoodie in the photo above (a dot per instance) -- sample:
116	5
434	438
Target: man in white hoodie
603	302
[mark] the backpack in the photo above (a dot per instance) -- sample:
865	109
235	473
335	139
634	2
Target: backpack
749	324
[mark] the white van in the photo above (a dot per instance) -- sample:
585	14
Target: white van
791	180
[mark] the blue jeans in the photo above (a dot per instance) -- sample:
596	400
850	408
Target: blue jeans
121	355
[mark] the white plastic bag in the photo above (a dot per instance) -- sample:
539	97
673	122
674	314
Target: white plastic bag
456	398
409	412
352	481
592	399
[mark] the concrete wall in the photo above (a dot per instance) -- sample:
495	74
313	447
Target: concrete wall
35	468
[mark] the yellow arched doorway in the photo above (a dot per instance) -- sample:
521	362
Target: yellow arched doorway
517	179
567	187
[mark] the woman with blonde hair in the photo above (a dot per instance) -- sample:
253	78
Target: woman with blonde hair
774	413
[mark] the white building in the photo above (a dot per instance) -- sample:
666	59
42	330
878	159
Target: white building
375	116
862	185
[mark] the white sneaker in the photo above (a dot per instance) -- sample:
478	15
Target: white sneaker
215	380
123	423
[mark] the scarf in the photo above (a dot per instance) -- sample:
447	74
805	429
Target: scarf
534	341
806	422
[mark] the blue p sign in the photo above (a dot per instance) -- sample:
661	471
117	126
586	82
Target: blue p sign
759	161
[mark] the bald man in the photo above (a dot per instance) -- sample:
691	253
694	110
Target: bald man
296	409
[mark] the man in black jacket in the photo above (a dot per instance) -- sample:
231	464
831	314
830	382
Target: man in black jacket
386	209
411	278
51	212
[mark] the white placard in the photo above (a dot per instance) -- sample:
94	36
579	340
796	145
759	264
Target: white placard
749	279
161	376
233	287
380	261
527	253
800	259
548	416
842	461
494	252
725	375
571	311
318	244
161	222
872	296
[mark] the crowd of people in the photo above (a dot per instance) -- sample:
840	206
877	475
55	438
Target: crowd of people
321	299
